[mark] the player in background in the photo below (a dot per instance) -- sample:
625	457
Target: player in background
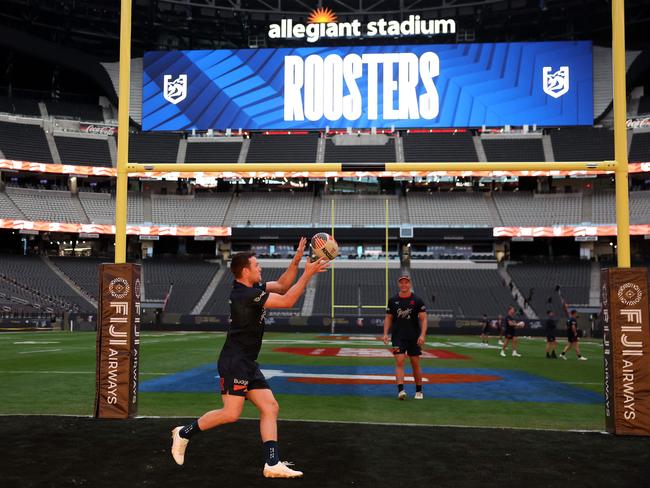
510	325
551	327
571	332
406	320
241	378
485	331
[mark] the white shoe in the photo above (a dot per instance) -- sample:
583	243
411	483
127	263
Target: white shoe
401	395
500	342
178	446
419	395
515	354
502	353
582	358
563	356
281	470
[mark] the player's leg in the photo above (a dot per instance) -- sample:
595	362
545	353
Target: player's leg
181	435
504	347
399	373
566	349
268	407
417	376
514	347
577	348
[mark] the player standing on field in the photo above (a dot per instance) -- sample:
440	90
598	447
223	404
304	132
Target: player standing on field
240	374
406	318
571	333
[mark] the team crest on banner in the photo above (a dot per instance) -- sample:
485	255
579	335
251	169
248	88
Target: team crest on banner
555	83
175	91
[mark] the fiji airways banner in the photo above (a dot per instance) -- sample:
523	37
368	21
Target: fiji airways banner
448	85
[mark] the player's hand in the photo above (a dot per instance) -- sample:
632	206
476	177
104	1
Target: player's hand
318	266
421	341
521	325
385	339
300	251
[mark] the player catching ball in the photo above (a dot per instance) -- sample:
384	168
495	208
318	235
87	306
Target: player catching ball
511	325
240	374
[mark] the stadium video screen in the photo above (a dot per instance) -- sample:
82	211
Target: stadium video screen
425	86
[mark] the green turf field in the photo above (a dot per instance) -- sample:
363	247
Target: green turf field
54	373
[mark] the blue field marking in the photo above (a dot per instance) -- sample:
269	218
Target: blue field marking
515	386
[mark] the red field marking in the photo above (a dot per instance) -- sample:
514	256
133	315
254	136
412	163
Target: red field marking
438	379
361	352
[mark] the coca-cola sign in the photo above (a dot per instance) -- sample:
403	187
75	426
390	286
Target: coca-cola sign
638	122
105	130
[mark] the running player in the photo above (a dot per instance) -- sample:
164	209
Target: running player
571	333
240	374
510	325
407	317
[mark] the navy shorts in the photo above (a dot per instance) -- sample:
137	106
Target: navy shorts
510	332
406	346
572	338
486	329
239	375
550	338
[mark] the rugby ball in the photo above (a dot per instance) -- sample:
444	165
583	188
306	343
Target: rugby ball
324	246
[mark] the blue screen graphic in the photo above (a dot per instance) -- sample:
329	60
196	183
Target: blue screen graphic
426	86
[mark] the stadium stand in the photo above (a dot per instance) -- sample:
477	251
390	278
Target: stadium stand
189	279
360	153
582	144
205	151
449	209
537	283
47	205
355	287
100	207
83	151
39	284
644	105
153	147
604	207
81	111
24	142
8	209
84	272
640	147
271	209
360	210
439	147
194	210
513	149
283	149
525	208
464	292
19	106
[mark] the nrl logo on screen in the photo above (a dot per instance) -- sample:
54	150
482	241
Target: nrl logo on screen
555	83
175	91
322	23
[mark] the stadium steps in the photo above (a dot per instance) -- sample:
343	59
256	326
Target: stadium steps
80	208
587	207
594	285
310	297
478	147
112	149
42	108
494	210
231	210
182	151
404	216
320	151
68	281
51	144
243	154
315	208
207	294
147	207
528	310
547	145
399	150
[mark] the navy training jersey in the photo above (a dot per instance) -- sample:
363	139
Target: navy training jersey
405	311
551	325
570	322
246	320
